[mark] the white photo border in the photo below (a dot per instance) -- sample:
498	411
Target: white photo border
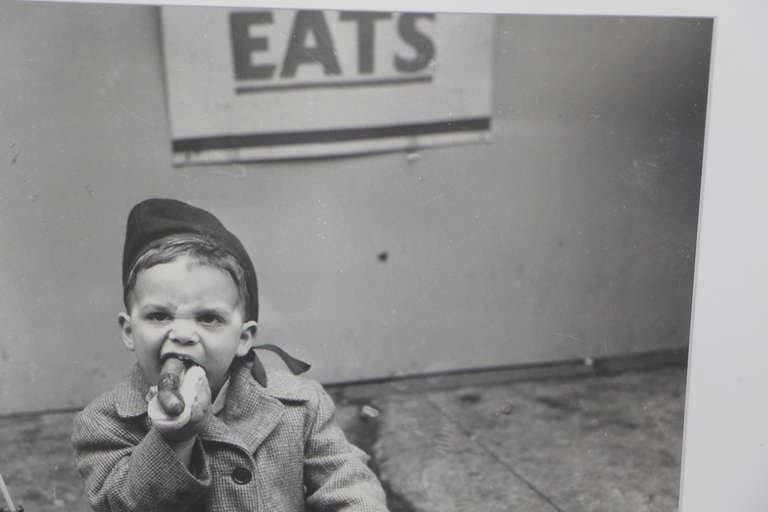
725	452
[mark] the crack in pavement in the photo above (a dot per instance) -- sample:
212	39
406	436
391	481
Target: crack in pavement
468	434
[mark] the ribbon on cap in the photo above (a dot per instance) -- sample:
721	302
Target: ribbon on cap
296	366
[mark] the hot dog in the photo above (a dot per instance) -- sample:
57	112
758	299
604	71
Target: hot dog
171	374
195	395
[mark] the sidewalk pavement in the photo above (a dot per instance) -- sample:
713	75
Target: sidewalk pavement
590	443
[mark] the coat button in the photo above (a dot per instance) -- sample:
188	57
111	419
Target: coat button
241	476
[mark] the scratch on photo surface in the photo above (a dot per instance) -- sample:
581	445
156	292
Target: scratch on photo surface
132	113
568	336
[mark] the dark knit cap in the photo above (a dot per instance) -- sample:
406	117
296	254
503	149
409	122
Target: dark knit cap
154	219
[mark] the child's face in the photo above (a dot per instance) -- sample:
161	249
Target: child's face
183	307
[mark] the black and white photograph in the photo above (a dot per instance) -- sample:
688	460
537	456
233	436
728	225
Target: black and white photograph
272	259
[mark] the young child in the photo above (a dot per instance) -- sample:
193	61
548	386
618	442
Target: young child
266	440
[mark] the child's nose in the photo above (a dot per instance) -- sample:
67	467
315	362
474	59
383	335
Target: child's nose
183	332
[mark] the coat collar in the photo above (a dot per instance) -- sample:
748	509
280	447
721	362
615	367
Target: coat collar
130	394
251	411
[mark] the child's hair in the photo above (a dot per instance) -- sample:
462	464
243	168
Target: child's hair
202	250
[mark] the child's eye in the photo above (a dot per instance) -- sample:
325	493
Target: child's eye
158	316
210	319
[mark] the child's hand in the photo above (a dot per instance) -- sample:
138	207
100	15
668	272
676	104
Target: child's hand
197	408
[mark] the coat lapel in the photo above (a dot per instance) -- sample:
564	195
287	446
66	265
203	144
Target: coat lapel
256	417
249	415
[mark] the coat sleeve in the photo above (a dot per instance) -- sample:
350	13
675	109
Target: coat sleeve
126	468
335	472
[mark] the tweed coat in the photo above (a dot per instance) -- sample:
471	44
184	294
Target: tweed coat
270	449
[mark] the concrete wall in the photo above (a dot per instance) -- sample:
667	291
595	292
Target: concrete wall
571	234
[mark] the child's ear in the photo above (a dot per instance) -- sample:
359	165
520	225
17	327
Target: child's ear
247	337
126	333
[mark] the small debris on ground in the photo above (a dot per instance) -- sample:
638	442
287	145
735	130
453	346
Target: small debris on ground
369	413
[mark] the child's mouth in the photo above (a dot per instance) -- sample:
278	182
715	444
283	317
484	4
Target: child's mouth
187	360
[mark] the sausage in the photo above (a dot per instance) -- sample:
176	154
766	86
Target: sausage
168	394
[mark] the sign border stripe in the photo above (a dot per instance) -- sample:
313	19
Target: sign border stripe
200	144
250	89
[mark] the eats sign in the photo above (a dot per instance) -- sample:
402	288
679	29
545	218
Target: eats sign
310	43
254	84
